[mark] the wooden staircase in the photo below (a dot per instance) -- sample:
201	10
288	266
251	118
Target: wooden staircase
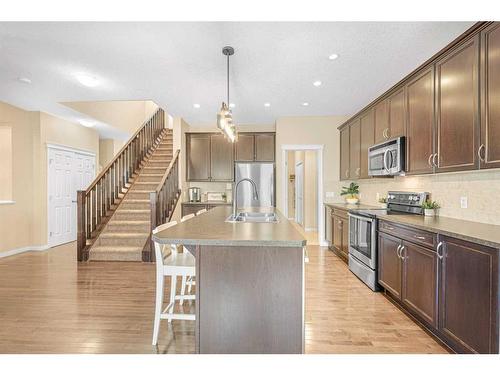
137	191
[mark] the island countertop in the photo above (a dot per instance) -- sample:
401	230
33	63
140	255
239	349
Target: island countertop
211	228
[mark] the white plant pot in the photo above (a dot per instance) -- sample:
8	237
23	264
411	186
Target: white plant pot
429	212
352	200
383	205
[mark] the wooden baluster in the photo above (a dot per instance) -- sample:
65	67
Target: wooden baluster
81	237
98	202
88	209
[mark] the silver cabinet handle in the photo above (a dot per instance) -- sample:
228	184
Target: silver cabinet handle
439	246
420	237
383	133
387	132
398	251
390	228
482	147
429	161
347	173
403	248
357	171
436	156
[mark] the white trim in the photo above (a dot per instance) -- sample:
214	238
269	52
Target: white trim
70	149
7	202
21	250
311	229
284	162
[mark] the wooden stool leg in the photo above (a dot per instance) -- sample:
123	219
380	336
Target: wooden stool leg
159	303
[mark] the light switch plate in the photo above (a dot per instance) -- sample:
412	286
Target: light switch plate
463	202
330	194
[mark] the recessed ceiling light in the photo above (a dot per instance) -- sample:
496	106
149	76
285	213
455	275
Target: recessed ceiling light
196	105
305	104
267	104
232	105
333	56
24	80
317	83
87	123
87	80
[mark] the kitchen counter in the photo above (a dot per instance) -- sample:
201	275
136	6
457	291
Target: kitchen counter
211	229
249	283
482	234
347	207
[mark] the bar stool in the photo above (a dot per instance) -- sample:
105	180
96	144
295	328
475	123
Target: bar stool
173	265
187	281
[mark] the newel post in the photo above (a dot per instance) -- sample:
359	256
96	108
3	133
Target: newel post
147	254
81	236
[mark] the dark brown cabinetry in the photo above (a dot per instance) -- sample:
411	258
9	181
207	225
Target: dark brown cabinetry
457	115
420	123
344	153
468	289
396	103
339	232
448	284
489	151
255	147
198	157
367	140
192	208
221	158
381	111
355	150
328	225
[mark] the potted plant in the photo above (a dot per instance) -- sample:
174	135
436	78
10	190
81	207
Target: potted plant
430	207
351	192
383	202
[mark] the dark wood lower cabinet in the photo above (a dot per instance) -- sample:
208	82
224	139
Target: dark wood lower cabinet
193	208
419	281
339	233
468	303
389	264
451	288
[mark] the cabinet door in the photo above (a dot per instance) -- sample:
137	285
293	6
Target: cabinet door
457	108
389	264
354	149
396	103
344	153
191	208
381	121
345	236
420	123
419	281
198	157
468	288
221	158
490	101
337	233
367	140
245	147
264	147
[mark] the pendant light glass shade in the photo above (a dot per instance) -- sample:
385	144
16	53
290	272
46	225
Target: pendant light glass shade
225	116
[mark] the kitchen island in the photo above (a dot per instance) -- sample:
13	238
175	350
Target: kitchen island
249	283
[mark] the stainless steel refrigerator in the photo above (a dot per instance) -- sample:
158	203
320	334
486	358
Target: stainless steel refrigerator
262	174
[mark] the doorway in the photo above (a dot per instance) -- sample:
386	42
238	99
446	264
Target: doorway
299	193
69	170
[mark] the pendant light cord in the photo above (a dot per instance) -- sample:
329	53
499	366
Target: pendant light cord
228	80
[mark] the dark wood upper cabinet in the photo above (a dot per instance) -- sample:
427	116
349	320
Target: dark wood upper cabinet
396	104
468	296
221	158
457	120
344	153
264	147
381	113
420	123
355	150
389	264
255	147
198	157
419	281
245	147
489	151
367	140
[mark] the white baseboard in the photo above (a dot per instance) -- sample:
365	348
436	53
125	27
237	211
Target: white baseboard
21	250
323	243
311	229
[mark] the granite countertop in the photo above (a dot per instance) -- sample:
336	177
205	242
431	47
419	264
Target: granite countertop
480	233
347	207
210	228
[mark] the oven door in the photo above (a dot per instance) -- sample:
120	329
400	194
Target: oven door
362	239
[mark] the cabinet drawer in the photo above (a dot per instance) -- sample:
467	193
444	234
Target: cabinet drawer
339	212
410	234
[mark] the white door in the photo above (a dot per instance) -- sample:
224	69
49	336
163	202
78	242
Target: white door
68	171
299	193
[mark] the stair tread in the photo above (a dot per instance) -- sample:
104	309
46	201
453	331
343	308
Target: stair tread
124	234
133	200
131	210
101	248
127	222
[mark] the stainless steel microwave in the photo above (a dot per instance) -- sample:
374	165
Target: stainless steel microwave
387	158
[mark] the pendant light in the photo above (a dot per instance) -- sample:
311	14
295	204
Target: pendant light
225	116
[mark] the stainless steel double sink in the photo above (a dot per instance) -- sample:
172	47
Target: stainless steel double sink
253	217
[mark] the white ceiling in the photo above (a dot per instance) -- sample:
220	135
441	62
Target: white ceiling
179	64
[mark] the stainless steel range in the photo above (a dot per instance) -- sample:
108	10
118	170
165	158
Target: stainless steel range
363	228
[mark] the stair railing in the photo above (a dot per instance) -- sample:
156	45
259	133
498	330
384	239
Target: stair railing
163	202
95	204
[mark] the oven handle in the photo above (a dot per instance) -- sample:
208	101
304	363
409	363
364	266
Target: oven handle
361	217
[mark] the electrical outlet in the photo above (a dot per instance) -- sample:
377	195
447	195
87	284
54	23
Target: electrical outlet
463	202
330	194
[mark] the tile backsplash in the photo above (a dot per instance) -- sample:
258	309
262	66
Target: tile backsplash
482	189
206	187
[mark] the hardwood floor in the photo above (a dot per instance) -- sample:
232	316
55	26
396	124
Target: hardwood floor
51	304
